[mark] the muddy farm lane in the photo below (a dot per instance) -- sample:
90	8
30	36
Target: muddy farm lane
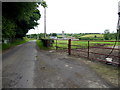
18	66
25	66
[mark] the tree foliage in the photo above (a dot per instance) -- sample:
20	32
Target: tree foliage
109	36
106	34
43	3
53	34
18	18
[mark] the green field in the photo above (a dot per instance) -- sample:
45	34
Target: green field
84	44
93	35
85	36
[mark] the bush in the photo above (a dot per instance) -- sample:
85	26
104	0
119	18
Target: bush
41	45
47	42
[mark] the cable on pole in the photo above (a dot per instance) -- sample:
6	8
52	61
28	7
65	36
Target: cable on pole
118	35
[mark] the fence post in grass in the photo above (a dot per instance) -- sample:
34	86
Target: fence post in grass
69	47
88	48
56	44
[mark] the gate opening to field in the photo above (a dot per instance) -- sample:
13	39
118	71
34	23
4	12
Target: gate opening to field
93	50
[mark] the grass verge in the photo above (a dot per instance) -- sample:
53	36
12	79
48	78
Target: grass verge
15	43
107	72
41	46
9	45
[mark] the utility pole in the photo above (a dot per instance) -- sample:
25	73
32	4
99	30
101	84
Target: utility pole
118	26
37	33
44	22
118	32
45	6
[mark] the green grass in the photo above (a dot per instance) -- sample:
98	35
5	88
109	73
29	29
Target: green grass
41	46
28	39
83	44
105	71
15	43
0	48
59	35
9	45
93	35
65	45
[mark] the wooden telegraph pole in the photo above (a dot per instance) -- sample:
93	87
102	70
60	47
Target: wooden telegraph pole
118	26
118	29
43	3
69	47
44	22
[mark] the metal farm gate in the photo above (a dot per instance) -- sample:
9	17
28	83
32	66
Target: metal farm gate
94	50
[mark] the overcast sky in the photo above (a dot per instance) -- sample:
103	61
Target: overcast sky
79	16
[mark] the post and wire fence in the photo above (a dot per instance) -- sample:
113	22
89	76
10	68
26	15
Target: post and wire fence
92	50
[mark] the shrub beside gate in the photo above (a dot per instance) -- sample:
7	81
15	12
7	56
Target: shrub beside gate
47	42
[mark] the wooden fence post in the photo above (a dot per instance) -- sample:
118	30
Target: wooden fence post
56	44
69	47
88	48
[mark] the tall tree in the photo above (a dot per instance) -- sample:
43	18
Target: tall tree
106	34
19	17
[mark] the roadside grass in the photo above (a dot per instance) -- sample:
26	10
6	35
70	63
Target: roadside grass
29	39
15	43
107	72
83	44
41	46
0	48
9	45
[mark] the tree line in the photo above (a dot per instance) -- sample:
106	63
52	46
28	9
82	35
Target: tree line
19	17
94	36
